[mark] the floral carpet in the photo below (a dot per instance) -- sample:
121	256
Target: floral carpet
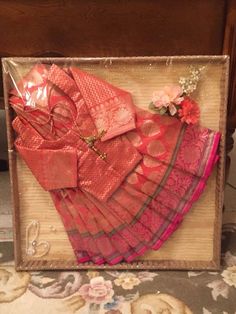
113	292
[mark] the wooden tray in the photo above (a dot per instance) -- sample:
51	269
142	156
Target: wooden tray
196	244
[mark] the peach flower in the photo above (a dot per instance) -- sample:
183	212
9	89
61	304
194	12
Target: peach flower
97	291
168	97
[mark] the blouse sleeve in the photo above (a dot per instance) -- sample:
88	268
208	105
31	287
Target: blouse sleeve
54	169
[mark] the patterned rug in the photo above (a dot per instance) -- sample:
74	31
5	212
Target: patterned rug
113	292
5	207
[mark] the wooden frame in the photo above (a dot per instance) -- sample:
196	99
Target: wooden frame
16	167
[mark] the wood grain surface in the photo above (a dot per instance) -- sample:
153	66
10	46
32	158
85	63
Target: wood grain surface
111	28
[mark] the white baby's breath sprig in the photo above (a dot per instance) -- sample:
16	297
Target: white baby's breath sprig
189	83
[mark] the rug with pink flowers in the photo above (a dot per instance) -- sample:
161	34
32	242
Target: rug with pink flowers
113	292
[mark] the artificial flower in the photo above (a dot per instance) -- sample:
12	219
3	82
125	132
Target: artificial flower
189	111
97	291
168	97
189	83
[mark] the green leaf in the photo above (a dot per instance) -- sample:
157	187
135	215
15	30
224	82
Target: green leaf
152	106
161	110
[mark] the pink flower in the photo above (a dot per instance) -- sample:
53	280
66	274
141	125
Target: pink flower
97	291
168	97
189	112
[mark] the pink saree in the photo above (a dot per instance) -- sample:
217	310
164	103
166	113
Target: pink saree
121	178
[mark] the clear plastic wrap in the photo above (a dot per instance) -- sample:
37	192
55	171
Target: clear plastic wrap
111	153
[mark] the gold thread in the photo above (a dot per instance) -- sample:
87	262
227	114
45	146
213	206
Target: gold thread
91	140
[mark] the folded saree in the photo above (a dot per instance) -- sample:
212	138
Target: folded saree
121	178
